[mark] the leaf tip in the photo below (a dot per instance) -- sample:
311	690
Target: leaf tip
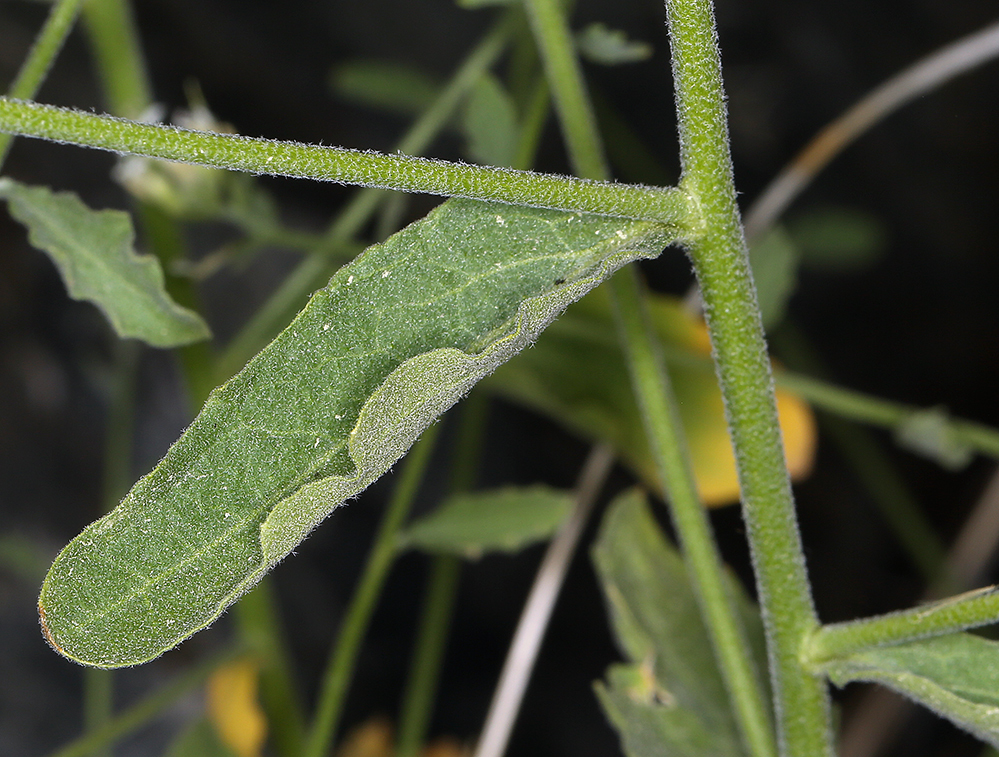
47	632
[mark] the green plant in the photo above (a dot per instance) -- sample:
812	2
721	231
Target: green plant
402	333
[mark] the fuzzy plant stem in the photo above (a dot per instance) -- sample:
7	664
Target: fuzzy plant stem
313	271
663	428
654	393
721	263
343	656
341	165
972	609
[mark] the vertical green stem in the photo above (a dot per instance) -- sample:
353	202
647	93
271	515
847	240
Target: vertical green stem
579	125
120	65
258	619
36	66
664	431
722	267
428	654
343	655
655	395
440	593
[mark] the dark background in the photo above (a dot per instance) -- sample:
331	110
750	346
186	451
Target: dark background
920	326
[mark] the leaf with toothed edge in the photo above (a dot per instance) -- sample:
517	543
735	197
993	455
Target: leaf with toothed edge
93	250
395	339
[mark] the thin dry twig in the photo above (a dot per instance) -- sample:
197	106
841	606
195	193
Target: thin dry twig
923	76
538	609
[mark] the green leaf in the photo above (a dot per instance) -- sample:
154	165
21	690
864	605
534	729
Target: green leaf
384	85
93	252
502	520
955	676
669	698
489	122
395	339
610	47
774	260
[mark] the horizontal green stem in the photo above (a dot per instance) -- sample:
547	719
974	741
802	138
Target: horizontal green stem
975	608
857	406
880	412
315	269
336	164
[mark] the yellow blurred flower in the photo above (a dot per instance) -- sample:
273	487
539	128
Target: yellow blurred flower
233	707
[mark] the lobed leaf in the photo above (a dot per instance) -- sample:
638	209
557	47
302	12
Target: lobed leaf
955	675
505	520
669	698
395	339
93	252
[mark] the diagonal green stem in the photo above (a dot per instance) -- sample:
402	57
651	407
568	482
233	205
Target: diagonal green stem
118	56
722	266
147	709
343	655
43	53
664	430
970	610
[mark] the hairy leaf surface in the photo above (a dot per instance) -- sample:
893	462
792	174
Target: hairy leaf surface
669	698
94	254
395	339
505	520
956	676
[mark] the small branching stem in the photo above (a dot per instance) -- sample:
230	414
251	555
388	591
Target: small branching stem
41	56
972	609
